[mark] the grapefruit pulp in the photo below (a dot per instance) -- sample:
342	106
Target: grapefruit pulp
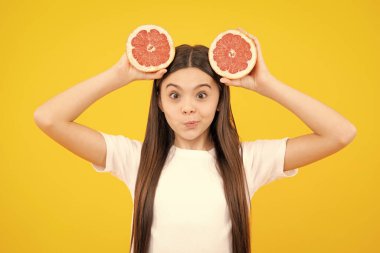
232	54
150	48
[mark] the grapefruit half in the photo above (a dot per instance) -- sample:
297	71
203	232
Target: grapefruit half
150	48
232	54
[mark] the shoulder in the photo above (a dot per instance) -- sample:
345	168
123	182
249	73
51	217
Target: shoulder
122	149
262	150
263	144
120	141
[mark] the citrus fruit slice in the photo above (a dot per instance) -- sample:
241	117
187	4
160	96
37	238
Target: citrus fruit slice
232	54
150	48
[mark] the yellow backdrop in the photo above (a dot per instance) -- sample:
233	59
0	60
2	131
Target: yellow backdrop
53	201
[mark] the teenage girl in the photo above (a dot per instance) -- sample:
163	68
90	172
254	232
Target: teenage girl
191	178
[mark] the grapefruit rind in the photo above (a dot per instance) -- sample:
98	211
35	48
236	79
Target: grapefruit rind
133	60
251	63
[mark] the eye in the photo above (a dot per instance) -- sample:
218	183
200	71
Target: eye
175	95
202	93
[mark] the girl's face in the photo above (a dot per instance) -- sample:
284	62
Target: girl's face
189	95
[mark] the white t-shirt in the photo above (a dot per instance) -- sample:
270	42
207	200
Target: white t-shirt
190	210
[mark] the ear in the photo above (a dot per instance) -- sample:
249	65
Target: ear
159	102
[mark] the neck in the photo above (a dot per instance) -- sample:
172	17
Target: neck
206	144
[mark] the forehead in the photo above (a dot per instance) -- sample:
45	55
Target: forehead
188	78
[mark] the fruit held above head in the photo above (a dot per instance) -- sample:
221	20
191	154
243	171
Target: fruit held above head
232	54
150	48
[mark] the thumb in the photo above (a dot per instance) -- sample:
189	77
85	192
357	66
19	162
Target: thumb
233	82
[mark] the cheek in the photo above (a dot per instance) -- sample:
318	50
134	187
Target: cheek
208	114
210	109
170	113
168	107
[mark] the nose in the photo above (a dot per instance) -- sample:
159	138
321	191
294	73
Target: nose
187	108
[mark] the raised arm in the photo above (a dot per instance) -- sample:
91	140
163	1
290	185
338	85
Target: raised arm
331	131
56	116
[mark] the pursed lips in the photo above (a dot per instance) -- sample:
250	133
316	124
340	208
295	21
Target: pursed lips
191	122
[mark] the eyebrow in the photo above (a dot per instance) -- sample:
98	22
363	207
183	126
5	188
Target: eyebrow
199	85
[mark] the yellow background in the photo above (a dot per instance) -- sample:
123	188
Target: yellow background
53	201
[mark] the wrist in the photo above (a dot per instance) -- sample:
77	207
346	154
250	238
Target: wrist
118	76
263	86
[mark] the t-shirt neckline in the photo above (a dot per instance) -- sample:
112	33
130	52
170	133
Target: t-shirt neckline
193	151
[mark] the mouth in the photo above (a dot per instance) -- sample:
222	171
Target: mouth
191	124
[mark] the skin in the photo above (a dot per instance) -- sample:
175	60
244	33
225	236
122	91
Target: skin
186	101
331	132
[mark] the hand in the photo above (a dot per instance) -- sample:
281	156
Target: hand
126	73
259	75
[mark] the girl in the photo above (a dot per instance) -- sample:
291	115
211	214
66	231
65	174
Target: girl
191	179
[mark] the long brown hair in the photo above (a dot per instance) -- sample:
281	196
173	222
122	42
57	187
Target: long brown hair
159	138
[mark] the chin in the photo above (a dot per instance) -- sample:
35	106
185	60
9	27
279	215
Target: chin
191	134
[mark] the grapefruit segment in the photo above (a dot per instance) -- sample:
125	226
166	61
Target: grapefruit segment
150	48
232	54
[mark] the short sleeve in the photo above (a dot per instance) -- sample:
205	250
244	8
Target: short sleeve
264	162
122	158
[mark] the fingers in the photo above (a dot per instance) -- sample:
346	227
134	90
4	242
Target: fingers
255	40
156	75
246	33
162	72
